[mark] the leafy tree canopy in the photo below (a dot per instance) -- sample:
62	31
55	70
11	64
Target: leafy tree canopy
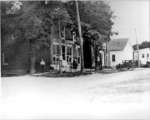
97	14
32	18
145	44
36	17
96	20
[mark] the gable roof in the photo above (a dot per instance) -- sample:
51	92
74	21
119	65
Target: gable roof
117	44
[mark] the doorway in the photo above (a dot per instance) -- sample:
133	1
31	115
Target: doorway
87	54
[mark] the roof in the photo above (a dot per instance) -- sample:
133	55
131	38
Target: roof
117	44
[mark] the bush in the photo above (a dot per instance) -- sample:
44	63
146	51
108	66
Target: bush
147	65
126	64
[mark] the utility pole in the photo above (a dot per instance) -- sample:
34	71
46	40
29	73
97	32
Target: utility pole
60	57
106	53
137	48
80	35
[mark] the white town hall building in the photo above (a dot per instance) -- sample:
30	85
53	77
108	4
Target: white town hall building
119	50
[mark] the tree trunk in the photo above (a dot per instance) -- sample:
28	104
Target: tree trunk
32	59
51	44
95	55
32	67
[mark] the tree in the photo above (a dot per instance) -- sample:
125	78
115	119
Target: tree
99	16
30	23
25	24
99	19
33	21
39	22
144	44
10	34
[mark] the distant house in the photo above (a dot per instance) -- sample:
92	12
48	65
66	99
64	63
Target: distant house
144	55
119	50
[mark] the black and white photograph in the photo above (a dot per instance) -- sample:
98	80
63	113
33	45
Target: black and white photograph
75	59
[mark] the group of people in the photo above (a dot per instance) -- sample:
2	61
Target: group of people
74	64
43	64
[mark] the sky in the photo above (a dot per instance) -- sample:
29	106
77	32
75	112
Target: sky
132	19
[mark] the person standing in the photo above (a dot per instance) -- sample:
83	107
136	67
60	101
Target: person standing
75	64
42	63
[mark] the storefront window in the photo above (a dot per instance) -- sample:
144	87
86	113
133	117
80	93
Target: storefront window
143	56
69	54
55	54
78	57
113	58
63	52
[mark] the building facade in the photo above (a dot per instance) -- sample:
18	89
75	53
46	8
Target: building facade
143	54
65	51
60	55
119	50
